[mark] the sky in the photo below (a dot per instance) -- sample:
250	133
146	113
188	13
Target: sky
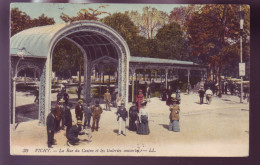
54	10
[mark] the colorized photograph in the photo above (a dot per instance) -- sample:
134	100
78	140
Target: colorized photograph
155	80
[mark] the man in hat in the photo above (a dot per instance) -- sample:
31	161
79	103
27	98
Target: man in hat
133	117
51	124
97	111
79	110
59	96
139	99
79	91
87	115
107	99
58	112
201	94
122	116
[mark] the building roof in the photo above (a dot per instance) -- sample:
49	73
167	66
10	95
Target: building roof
159	61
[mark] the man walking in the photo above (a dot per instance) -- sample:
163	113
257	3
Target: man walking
68	118
66	97
122	116
51	124
97	110
107	99
201	94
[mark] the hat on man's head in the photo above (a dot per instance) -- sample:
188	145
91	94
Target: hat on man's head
122	103
61	101
97	102
172	95
107	89
140	90
80	101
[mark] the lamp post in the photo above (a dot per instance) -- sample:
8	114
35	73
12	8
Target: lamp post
241	65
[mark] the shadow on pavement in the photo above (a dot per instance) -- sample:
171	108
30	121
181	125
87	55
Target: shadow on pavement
165	126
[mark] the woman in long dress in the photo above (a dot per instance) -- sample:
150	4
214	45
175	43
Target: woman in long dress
174	116
143	127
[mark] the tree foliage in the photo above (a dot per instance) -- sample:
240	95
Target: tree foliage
171	42
84	14
21	21
214	35
149	21
122	23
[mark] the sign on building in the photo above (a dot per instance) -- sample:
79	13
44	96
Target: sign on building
242	69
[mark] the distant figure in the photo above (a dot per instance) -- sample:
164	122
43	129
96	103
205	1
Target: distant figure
143	126
51	127
201	94
209	95
107	99
36	94
174	116
225	87
139	99
152	87
87	115
79	91
188	88
122	116
66	97
97	111
164	94
133	117
148	93
178	95
113	98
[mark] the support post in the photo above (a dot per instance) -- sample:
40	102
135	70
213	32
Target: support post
166	78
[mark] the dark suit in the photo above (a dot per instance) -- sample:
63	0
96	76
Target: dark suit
51	126
68	119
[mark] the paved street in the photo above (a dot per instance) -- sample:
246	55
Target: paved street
219	129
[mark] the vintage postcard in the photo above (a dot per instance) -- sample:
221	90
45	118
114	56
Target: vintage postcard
160	80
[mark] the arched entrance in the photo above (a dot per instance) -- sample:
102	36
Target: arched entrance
97	41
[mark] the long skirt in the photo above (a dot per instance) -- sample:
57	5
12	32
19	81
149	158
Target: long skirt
143	129
174	126
132	125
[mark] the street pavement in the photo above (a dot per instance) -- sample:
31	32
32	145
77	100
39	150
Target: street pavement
219	129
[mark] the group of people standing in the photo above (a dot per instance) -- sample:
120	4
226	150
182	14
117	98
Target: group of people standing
60	116
208	93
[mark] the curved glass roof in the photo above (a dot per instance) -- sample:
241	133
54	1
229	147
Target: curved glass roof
36	41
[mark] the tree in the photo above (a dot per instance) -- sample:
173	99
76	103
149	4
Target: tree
214	35
67	58
122	23
84	14
171	42
149	21
21	21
